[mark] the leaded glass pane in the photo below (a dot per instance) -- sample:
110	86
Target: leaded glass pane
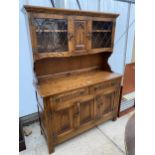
101	25
101	39
51	35
101	34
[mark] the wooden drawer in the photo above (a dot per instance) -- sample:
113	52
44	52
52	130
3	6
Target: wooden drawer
102	86
69	95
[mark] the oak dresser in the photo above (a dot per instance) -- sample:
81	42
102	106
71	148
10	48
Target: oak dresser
75	87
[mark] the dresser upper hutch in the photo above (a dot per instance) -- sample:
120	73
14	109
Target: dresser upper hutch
65	33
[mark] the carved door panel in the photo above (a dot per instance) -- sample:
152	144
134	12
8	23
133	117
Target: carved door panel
80	35
104	104
85	112
63	118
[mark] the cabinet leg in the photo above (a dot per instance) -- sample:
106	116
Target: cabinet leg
114	118
41	132
50	147
39	120
50	150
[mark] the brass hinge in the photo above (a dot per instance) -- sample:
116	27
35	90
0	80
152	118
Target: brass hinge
34	50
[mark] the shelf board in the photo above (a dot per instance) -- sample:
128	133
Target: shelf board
58	54
38	56
67	30
51	30
102	31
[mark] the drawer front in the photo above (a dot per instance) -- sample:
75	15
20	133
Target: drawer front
105	85
69	95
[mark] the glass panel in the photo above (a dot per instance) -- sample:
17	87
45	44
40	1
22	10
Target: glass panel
51	35
101	39
52	42
101	25
101	34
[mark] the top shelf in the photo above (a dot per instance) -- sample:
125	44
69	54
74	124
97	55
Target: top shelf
43	55
101	31
51	30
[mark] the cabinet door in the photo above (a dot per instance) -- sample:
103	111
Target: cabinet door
80	42
63	119
102	36
104	104
85	112
50	35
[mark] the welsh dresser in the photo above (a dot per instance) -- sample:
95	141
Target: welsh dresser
75	87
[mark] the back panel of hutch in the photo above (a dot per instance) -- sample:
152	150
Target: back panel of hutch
75	89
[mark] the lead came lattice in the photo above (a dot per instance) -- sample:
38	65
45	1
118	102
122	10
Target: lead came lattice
51	35
102	34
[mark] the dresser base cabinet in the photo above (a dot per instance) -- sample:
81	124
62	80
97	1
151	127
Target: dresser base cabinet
76	89
68	114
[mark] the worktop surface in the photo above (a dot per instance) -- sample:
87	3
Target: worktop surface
59	85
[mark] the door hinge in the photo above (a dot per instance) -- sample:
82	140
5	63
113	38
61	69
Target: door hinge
34	50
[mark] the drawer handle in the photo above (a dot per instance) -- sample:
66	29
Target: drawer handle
77	113
98	104
57	100
113	83
81	93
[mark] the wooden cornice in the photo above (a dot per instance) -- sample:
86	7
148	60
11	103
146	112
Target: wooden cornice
37	9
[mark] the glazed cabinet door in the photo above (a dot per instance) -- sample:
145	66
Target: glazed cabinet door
102	35
50	35
104	104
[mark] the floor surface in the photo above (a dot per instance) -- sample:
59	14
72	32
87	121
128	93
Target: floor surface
106	139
